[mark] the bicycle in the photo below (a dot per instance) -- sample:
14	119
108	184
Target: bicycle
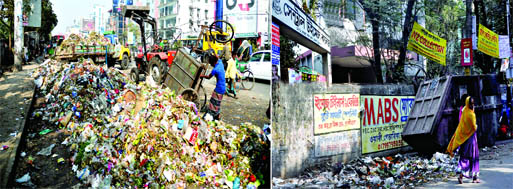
247	80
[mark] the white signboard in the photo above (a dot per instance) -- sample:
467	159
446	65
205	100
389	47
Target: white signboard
504	49
295	18
34	18
337	143
244	14
474	35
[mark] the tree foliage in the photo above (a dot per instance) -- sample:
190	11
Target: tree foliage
48	19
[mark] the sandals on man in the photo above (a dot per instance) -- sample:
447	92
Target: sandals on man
460	179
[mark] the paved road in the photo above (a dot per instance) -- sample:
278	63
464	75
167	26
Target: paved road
496	170
250	106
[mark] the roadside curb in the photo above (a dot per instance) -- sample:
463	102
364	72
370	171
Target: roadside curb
7	178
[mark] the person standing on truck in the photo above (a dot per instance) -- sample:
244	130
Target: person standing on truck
465	138
214	107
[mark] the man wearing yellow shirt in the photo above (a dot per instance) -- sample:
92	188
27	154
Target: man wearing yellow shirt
231	74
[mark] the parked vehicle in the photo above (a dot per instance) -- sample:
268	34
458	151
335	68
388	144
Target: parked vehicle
260	64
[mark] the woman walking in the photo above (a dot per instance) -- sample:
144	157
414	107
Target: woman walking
465	138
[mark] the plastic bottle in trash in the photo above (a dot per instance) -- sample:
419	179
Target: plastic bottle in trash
236	183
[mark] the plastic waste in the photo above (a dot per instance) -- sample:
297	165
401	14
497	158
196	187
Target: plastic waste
44	132
24	178
46	151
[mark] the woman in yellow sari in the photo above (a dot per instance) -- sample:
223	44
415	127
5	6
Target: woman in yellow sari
465	138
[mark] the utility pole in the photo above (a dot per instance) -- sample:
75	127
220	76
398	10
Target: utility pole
508	81
468	29
18	34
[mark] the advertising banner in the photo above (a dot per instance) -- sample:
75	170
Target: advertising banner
293	16
488	41
383	120
244	14
34	17
427	44
466	52
336	112
336	143
504	48
275	45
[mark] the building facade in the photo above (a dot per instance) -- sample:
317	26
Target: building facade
187	15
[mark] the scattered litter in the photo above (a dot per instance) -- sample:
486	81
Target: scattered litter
23	154
60	160
44	132
399	171
46	151
4	147
135	135
13	134
24	178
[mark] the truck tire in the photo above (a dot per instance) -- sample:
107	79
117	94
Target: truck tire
134	75
125	62
155	71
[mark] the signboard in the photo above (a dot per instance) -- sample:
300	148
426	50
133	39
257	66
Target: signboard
295	18
88	25
383	120
427	44
275	46
488	42
244	13
34	17
504	48
504	65
336	112
474	33
294	77
336	143
466	52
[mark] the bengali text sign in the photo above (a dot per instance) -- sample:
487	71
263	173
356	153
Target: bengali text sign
336	112
383	120
488	42
337	143
427	44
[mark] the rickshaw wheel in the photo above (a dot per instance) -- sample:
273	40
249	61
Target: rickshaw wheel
190	94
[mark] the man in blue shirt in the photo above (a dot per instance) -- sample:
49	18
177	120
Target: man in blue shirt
214	107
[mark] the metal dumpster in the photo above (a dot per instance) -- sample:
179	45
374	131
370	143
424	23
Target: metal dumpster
435	114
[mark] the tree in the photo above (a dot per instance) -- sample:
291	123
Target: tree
406	33
7	19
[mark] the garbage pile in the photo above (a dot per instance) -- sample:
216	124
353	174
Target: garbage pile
399	171
126	135
75	44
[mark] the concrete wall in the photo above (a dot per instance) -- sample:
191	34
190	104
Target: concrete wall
293	133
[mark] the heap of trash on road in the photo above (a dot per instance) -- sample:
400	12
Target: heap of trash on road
399	171
124	135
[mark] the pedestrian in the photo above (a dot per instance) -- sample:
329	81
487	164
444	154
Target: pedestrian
465	138
214	108
232	74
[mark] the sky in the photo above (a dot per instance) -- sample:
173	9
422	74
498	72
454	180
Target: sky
68	10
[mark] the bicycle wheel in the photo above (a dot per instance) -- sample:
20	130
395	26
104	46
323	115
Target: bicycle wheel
223	27
248	81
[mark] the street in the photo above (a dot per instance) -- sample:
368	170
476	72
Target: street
495	166
250	106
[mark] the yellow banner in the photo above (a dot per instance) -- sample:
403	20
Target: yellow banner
383	120
336	112
488	42
427	44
